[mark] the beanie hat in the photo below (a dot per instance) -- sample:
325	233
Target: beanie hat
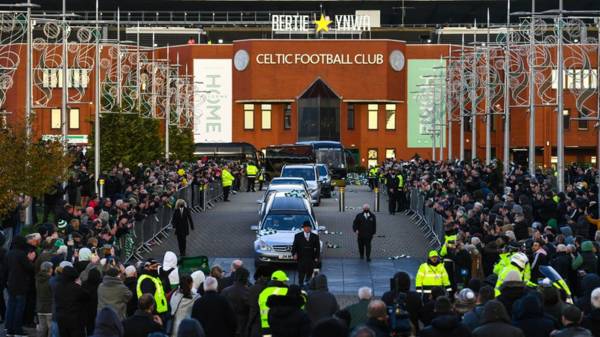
85	254
595	298
512	276
587	246
465	301
65	264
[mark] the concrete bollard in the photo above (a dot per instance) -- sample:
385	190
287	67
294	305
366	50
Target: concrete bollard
342	199
376	202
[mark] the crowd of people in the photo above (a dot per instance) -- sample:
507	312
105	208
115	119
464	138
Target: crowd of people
517	258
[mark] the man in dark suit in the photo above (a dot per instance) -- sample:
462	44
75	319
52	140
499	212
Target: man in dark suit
365	226
306	250
182	222
392	182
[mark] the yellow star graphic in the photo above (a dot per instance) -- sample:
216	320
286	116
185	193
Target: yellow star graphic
322	24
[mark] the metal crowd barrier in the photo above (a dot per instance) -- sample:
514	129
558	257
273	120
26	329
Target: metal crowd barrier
426	218
204	197
154	229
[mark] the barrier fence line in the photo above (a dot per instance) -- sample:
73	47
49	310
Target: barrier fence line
426	218
154	229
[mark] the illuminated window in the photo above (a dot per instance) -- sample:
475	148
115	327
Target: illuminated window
350	116
372	157
390	116
372	116
55	116
390	153
73	118
265	122
566	118
248	116
287	117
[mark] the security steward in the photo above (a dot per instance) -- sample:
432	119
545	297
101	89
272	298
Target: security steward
392	182
149	283
276	287
518	262
373	175
261	179
509	250
432	274
226	180
365	227
251	172
307	251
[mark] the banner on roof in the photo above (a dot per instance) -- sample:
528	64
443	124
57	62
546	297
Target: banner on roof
426	102
212	101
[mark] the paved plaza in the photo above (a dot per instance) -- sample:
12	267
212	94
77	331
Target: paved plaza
224	234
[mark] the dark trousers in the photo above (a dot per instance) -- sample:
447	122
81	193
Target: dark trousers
14	314
260	184
392	201
364	246
181	242
226	190
251	184
304	274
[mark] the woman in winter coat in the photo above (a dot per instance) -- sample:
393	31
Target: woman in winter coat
286	317
495	322
108	324
182	302
528	315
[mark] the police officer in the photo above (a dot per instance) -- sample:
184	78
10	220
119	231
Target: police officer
518	262
251	172
276	287
432	274
392	181
226	180
149	283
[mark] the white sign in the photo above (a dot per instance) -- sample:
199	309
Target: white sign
212	100
324	58
303	24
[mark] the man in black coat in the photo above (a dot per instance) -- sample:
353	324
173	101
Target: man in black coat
20	272
70	301
237	296
306	250
392	183
365	226
182	222
213	311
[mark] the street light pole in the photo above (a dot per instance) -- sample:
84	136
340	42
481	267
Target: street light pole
474	97
532	91
65	69
507	93
461	98
560	149
28	121
167	106
97	105
488	115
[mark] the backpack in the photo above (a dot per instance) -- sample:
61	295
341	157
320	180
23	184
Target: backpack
400	323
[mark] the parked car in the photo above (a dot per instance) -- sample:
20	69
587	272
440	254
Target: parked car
309	173
284	215
325	180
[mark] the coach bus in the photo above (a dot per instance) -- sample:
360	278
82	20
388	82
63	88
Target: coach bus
227	151
321	152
